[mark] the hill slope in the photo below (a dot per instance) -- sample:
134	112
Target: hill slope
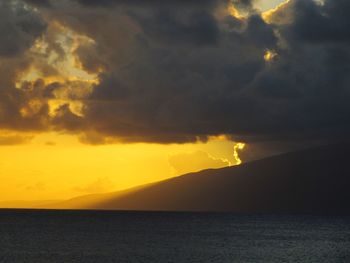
309	181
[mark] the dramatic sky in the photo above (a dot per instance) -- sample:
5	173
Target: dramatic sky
100	95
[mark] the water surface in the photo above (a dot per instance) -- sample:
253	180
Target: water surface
90	236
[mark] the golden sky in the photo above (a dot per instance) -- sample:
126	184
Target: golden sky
56	166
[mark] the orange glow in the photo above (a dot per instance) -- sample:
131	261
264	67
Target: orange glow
234	12
270	55
56	166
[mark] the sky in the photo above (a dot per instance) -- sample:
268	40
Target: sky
267	4
103	95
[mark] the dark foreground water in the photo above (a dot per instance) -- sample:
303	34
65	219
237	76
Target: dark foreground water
57	236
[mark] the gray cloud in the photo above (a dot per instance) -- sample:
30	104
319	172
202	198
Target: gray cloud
40	3
107	3
179	74
244	4
13	139
19	28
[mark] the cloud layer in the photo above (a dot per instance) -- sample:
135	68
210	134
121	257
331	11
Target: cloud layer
183	71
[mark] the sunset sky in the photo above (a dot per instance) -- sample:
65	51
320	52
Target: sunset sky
103	95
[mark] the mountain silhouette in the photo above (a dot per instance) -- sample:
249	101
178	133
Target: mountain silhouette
312	181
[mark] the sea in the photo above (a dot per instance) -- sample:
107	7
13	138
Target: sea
33	236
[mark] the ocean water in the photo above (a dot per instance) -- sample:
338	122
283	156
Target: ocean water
90	236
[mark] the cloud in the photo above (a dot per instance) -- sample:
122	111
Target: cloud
40	3
19	28
196	161
50	143
186	70
14	139
321	23
177	85
108	3
243	4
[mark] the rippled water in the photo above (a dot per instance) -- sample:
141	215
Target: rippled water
76	236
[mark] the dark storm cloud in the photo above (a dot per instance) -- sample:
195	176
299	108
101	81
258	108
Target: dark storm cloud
179	73
149	2
185	72
238	3
176	27
309	82
20	27
320	24
243	4
40	3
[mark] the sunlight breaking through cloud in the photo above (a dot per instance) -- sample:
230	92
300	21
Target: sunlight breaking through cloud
238	147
